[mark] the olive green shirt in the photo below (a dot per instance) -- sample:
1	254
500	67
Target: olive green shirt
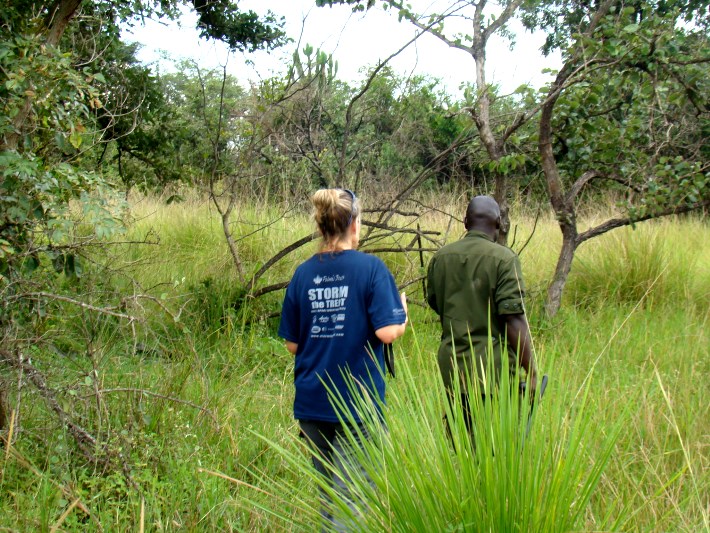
472	284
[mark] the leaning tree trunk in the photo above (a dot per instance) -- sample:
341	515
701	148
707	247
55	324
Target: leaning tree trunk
562	204
564	265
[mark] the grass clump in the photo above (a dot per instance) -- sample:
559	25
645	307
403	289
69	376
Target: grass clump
421	478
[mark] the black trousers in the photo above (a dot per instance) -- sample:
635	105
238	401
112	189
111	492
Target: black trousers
335	459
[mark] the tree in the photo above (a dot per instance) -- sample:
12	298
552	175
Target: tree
626	111
53	116
483	24
625	108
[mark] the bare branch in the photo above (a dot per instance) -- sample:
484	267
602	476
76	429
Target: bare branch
399	249
87	443
103	310
591	175
532	233
501	19
276	258
360	94
270	288
163	397
394	229
423	174
429	28
620	222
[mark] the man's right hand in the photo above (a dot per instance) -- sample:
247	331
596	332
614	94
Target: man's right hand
532	380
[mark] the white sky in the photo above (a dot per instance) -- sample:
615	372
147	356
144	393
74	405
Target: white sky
356	40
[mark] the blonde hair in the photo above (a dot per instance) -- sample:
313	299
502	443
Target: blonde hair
333	211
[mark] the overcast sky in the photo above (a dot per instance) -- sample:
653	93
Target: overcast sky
356	40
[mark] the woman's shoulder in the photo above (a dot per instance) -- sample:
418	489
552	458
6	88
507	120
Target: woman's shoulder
306	266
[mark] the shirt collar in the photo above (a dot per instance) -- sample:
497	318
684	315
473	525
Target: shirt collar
476	233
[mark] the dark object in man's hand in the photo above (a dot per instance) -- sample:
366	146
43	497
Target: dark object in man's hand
522	387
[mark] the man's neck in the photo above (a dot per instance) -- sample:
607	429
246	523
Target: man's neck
486	231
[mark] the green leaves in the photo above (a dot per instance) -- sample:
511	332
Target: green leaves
243	31
631	28
636	116
68	264
508	163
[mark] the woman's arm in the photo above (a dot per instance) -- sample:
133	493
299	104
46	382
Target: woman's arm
388	334
292	347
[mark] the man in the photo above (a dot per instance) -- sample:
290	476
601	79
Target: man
476	287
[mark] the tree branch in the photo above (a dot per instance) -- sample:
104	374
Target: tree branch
163	397
502	19
620	222
360	94
103	310
277	257
429	28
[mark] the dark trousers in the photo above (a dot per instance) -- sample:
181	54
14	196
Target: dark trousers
334	458
467	416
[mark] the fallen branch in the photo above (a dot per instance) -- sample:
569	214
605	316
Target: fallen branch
103	310
87	443
162	396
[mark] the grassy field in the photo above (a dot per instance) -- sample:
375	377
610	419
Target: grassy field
194	401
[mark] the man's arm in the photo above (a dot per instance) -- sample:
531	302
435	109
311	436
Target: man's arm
518	336
431	286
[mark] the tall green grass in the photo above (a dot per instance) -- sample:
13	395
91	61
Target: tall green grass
651	264
185	409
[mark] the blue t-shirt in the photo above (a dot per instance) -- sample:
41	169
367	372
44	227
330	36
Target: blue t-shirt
333	305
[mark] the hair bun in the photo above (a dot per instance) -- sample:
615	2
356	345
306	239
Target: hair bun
333	212
325	199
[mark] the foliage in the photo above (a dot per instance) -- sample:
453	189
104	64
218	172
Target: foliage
39	180
68	88
641	126
645	106
221	20
56	107
80	114
131	141
205	128
561	20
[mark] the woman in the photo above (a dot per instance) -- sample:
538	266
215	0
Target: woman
341	306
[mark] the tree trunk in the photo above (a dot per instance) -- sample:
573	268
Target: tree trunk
563	203
59	18
564	265
562	206
482	117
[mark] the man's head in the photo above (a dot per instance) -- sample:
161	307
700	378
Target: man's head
483	214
